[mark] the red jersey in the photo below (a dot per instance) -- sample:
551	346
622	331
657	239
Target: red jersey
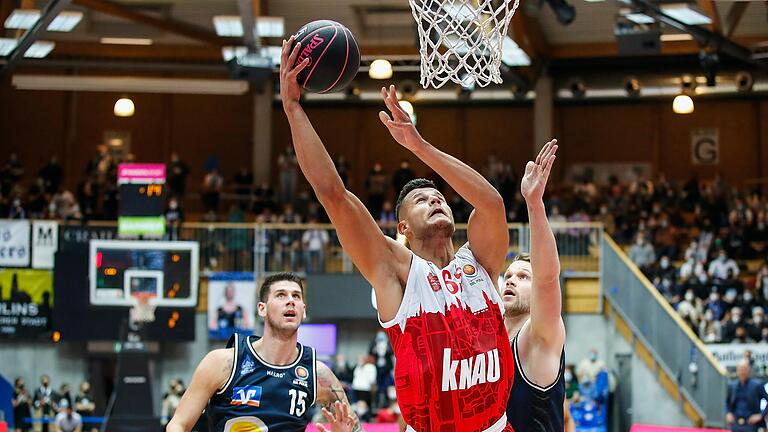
454	367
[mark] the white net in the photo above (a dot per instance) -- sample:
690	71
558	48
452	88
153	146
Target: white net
143	311
461	40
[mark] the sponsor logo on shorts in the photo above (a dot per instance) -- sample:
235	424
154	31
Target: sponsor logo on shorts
469	270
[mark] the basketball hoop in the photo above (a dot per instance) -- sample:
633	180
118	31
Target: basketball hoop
144	310
461	40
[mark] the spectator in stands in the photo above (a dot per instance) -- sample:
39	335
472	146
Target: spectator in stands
289	241
664	278
21	406
11	173
65	205
88	197
343	168
363	411
761	282
68	421
741	335
718	268
44	401
691	307
343	372
729	327
263	198
171	401
64	397
287	166
213	183
315	242
363	380
85	406
17	210
178	171
243	181
403	175
742	405
590	367
52	174
384	358
756	325
571	382
642	254
710	330
377	184
174	217
607	219
389	413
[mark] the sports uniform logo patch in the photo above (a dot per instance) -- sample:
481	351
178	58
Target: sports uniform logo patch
469	270
434	282
301	372
247	395
247	367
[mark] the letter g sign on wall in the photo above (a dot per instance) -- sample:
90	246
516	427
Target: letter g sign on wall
705	146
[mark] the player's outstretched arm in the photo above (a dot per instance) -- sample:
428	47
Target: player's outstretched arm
488	223
380	259
332	399
211	374
547	331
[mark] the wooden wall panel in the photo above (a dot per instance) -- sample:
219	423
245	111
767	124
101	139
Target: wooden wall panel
739	139
32	124
202	126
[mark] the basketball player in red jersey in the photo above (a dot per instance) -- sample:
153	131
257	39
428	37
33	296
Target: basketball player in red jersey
532	304
440	307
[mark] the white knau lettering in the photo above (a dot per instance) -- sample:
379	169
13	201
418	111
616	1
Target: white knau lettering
479	369
449	371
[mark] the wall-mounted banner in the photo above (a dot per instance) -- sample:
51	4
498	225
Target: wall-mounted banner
231	304
26	302
45	242
14	243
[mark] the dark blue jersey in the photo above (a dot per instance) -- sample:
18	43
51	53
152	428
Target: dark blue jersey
260	396
532	408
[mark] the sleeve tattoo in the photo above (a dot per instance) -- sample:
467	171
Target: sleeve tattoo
330	391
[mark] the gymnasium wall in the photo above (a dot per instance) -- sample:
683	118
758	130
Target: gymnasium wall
38	124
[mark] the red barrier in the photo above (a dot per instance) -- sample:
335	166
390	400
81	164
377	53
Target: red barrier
3	427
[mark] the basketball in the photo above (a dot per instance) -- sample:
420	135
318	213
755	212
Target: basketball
333	54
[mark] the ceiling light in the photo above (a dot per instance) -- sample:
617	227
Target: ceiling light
228	25
639	18
683	104
593	1
230	52
513	55
270	26
40	49
124	108
686	13
407	107
126	41
22	19
65	21
7	45
380	69
676	37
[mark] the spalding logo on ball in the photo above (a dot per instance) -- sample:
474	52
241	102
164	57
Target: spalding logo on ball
334	57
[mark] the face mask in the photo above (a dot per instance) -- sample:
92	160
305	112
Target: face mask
758	319
689	296
747	297
708	316
568	377
736	318
702	278
721	258
593	356
713	297
173	205
664	264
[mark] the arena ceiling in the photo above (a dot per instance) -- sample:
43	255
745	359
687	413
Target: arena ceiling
182	31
